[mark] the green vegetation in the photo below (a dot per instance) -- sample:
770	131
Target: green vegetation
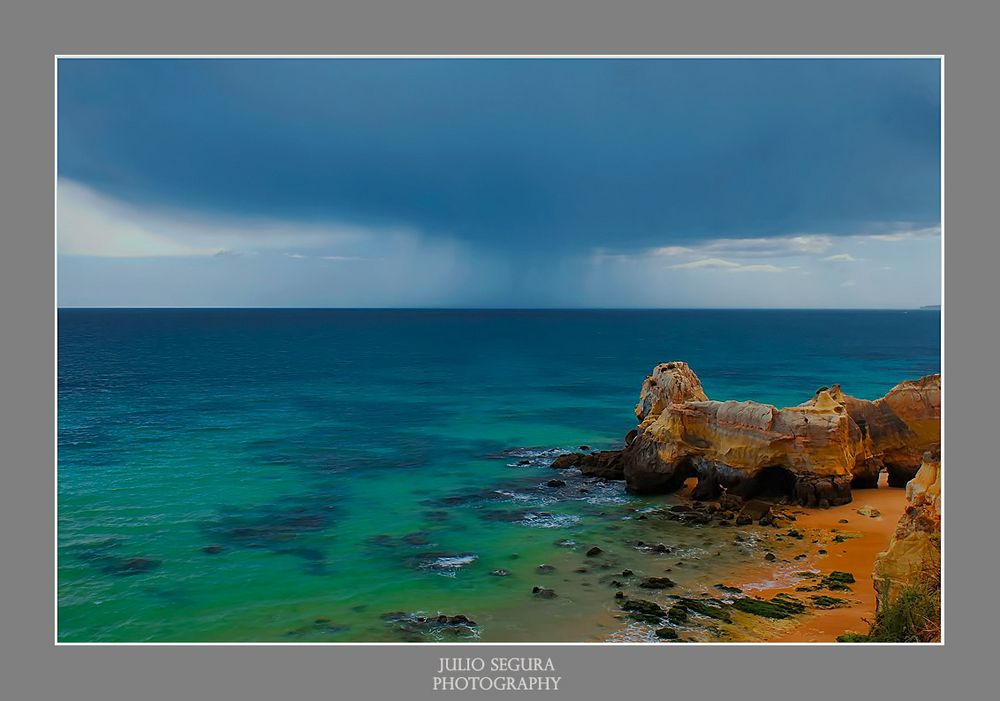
837	581
852	637
913	614
704	609
828	602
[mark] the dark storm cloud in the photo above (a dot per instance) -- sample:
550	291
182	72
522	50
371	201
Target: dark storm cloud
503	182
525	155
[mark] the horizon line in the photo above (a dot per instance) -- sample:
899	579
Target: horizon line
926	307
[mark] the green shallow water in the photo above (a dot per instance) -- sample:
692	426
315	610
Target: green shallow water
348	464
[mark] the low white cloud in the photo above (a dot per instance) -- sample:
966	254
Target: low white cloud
192	260
769	246
713	263
335	259
798	245
745	254
720	251
730	266
94	225
847	283
670	251
89	224
902	233
761	268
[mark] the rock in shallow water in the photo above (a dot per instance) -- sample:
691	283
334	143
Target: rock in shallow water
566	460
415	626
677	614
810	453
657	583
643	610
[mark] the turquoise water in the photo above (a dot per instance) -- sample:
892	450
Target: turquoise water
296	475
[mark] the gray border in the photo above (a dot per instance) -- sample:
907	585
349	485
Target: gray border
34	668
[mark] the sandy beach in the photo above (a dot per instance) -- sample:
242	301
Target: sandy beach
838	539
865	538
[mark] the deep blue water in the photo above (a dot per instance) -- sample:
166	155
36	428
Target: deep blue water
340	464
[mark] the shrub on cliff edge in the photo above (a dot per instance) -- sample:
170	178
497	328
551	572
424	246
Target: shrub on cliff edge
913	615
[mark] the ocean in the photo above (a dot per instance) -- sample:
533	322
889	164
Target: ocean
347	475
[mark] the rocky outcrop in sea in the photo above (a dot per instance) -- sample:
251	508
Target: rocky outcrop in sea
811	454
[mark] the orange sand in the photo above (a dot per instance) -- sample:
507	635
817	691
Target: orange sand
855	555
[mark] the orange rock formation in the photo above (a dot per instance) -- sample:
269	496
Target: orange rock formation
811	452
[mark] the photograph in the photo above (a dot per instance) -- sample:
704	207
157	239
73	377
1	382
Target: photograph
604	349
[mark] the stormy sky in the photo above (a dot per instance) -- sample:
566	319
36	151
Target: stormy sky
499	183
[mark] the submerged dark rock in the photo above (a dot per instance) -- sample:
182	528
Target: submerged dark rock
279	526
415	539
320	626
132	565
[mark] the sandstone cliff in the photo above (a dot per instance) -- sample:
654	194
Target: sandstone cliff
914	553
812	452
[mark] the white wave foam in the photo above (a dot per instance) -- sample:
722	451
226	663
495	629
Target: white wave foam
549	520
449	565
